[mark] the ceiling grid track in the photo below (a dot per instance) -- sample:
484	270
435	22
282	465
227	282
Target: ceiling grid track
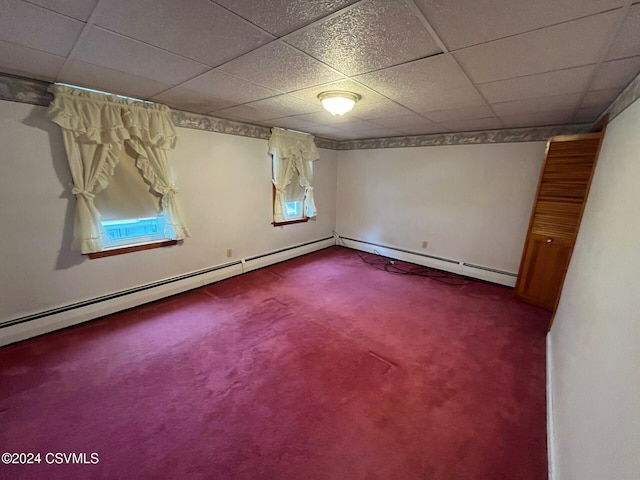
420	67
615	30
85	30
446	51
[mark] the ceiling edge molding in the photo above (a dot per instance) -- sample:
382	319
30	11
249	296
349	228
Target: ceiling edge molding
199	121
34	92
629	95
327	143
507	135
25	90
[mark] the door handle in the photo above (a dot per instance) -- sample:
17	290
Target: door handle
549	240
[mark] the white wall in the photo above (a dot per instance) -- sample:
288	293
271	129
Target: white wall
225	190
595	338
471	203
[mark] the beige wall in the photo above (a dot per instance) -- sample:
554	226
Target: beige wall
470	203
595	339
225	190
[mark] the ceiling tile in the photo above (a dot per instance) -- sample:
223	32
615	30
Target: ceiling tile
129	56
617	73
294	123
108	80
588	115
466	113
627	42
463	23
282	67
385	108
600	98
182	98
423	130
415	78
80	9
370	36
367	96
538	119
404	121
534	105
325	118
530	71
36	27
223	86
572	80
380	132
19	60
472	125
197	29
354	125
348	135
323	130
568	45
245	112
455	98
287	105
283	16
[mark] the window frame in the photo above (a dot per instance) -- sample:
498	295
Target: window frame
110	252
136	244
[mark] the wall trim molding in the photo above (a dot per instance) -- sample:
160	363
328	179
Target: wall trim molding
24	90
34	92
507	135
629	95
39	323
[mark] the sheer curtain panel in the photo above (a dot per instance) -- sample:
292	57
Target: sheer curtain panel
294	155
95	128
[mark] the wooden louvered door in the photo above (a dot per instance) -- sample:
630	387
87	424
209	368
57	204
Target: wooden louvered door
562	193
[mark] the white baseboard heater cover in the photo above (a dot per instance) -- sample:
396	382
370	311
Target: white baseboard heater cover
39	323
448	265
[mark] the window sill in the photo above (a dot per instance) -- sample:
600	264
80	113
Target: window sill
290	222
132	248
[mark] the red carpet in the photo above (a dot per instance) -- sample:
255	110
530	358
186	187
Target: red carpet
318	368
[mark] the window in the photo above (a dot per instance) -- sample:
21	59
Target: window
117	149
129	208
292	154
135	230
294	195
293	209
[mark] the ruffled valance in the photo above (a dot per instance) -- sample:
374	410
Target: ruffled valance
100	118
284	144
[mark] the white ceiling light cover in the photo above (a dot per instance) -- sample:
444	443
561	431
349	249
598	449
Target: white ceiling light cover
337	102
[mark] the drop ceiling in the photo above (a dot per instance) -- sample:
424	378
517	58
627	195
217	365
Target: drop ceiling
421	67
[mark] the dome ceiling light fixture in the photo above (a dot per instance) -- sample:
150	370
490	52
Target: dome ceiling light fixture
337	102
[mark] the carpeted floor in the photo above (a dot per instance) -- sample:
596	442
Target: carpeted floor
321	367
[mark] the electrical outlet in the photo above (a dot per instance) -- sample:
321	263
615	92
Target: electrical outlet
229	252
424	244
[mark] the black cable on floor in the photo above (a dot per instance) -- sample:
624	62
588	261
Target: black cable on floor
383	263
389	265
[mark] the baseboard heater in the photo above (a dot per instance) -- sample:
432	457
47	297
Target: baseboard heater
446	264
28	326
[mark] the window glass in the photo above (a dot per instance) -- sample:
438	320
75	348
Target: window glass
129	208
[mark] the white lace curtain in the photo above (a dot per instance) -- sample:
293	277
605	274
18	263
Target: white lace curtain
294	156
95	127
